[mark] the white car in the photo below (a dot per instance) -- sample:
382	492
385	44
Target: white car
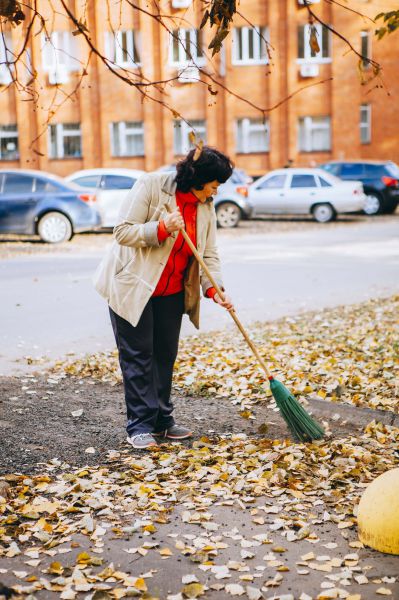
305	191
111	186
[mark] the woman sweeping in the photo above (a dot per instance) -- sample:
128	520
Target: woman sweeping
150	279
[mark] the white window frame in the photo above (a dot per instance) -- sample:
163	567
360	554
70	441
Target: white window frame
319	59
365	126
249	126
4	135
258	59
63	50
114	47
60	134
183	61
199	129
366	35
6	56
309	127
123	131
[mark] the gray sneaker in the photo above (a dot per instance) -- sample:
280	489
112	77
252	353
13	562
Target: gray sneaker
175	432
141	441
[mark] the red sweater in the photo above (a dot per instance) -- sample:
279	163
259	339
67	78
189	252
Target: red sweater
172	278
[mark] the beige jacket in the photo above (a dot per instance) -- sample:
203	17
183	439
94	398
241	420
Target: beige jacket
133	265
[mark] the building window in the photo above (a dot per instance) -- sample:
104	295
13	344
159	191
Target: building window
127	138
249	45
9	142
65	140
365	48
252	136
365	123
181	131
59	51
314	134
186	47
6	57
308	54
122	48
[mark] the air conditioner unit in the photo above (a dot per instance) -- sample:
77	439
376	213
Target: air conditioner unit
309	70
181	3
189	74
58	75
5	75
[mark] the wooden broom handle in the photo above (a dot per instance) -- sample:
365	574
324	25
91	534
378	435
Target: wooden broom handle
221	294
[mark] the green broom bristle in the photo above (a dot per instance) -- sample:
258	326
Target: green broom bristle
300	423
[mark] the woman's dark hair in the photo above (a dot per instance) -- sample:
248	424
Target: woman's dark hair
211	165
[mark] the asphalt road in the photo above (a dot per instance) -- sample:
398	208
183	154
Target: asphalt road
49	307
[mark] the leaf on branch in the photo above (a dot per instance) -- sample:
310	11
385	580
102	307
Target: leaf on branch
381	32
220	14
204	19
391	21
81	28
12	11
216	42
198	150
313	42
192	138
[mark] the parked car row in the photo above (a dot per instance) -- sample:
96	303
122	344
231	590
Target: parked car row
35	202
337	187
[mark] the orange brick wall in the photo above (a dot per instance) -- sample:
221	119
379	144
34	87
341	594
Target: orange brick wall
102	98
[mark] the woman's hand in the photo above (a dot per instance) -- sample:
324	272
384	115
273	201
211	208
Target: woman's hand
173	221
226	303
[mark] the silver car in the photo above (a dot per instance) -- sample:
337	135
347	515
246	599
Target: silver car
303	192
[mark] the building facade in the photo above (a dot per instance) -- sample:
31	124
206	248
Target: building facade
266	99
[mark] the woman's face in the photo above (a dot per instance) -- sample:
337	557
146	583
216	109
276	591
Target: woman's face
210	189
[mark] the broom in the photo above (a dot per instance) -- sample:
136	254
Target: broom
300	423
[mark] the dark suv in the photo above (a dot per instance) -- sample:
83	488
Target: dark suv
380	182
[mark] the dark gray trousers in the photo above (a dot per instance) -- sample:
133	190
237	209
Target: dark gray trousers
147	354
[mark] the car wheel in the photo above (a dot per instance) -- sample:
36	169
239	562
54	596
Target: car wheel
323	213
373	204
228	214
54	228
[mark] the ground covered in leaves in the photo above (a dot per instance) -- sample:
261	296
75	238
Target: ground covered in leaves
346	354
241	511
229	516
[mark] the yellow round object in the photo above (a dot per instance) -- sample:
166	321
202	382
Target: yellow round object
378	514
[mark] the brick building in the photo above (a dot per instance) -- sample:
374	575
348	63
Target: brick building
100	120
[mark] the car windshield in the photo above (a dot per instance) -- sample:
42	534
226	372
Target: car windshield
89	181
331	179
393	169
70	184
352	170
60	182
272	182
331	168
239	176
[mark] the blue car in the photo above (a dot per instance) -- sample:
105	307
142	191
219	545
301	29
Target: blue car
38	203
